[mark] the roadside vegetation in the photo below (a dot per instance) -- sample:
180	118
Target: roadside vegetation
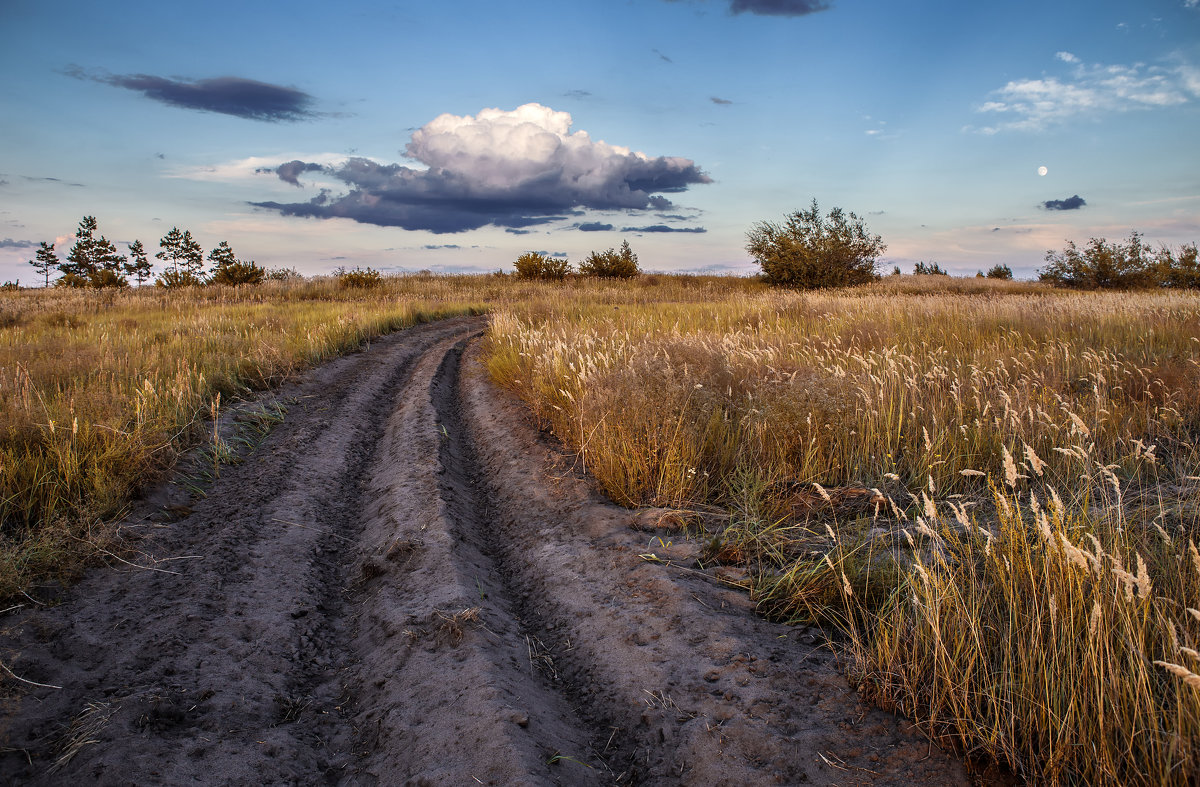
990	489
100	392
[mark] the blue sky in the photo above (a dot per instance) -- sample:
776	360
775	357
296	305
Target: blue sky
457	135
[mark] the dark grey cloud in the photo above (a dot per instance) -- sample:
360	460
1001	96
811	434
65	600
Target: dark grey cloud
228	95
9	243
594	226
434	246
290	171
777	7
661	56
578	94
1070	203
511	231
663	228
724	102
515	169
559	254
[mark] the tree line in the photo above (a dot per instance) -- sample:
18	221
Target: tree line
94	261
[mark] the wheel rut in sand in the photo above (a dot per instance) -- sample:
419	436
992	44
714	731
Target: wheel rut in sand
407	583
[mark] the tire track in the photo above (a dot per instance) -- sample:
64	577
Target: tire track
406	584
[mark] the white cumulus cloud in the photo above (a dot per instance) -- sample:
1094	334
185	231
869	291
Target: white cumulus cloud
510	168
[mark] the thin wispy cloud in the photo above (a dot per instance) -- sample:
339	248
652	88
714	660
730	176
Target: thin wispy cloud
9	243
777	7
1090	90
594	226
514	169
664	228
721	102
228	95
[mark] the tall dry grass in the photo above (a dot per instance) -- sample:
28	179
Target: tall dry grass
101	392
1005	425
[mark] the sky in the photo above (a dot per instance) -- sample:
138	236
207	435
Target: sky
454	136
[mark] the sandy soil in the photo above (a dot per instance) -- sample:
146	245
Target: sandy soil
406	583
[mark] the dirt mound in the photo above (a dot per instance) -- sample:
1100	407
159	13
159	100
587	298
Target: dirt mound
406	583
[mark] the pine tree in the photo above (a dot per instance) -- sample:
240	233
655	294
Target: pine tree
228	269
222	256
186	258
171	248
139	265
81	263
46	261
193	255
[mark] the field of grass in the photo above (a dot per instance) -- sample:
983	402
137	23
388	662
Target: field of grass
101	392
990	489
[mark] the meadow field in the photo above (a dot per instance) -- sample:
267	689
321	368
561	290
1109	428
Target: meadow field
986	491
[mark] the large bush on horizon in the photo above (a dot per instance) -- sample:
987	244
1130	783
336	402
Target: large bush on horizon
1131	264
811	251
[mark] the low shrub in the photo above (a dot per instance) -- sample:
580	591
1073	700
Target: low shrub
611	264
533	265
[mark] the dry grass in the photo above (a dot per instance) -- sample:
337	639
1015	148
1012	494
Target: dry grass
1005	425
989	487
101	391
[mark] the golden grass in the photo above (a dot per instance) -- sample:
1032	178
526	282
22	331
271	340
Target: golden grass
1006	425
100	392
1018	574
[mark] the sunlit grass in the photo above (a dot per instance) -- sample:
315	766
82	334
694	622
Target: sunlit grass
100	392
876	450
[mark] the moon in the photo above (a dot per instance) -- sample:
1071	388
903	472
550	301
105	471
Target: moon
1042	171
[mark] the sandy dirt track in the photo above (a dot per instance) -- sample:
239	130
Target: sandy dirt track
405	583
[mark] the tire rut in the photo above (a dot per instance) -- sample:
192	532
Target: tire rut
406	584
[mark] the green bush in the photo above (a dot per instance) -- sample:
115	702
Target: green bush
367	279
238	272
174	278
809	250
283	274
611	264
1000	272
1101	265
1182	270
532	265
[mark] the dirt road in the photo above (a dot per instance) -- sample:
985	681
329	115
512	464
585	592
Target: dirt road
406	583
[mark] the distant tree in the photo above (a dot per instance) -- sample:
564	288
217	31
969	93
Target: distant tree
1102	265
81	260
45	261
1000	272
895	270
1180	270
139	266
611	264
532	265
809	250
92	261
929	269
228	269
184	255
